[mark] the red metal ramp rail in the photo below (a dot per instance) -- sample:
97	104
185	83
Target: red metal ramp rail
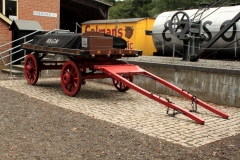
116	72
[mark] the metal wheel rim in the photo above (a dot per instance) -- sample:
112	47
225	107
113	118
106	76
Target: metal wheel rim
173	30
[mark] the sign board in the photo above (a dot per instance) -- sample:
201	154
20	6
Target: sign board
84	42
12	17
45	14
132	31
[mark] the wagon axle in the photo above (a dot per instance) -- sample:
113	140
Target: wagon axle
29	69
67	78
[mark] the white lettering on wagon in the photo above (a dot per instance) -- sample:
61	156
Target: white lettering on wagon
52	41
45	14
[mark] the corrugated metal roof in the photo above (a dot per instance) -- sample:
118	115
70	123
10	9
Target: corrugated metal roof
91	3
26	25
105	3
114	20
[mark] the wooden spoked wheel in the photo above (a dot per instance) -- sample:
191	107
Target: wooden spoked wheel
71	78
31	69
120	86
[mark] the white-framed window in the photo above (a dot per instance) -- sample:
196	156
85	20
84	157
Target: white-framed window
9	8
1	6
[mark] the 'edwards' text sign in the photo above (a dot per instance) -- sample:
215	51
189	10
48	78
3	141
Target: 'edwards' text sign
45	14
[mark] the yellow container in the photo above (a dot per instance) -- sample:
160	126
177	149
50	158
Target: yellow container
132	30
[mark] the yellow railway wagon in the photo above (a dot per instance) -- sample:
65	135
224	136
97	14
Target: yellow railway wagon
132	30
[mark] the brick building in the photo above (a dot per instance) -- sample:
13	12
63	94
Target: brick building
50	14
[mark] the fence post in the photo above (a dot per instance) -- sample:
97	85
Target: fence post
24	49
11	63
174	42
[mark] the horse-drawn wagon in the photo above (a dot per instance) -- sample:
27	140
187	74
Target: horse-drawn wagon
95	55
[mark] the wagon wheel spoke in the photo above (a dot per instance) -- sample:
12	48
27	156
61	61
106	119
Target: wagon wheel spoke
70	87
122	86
117	82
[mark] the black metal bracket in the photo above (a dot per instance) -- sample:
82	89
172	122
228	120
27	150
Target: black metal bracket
194	104
174	113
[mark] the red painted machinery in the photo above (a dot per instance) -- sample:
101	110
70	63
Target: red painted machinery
93	56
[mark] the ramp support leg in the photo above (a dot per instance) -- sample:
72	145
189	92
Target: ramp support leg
189	96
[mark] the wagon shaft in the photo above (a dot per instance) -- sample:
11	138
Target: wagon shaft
115	72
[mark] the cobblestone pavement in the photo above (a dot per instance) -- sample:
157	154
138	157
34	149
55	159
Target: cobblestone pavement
133	110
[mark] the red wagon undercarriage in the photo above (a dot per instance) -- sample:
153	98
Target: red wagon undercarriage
103	63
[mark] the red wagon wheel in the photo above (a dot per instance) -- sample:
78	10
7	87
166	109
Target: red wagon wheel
71	78
31	69
120	86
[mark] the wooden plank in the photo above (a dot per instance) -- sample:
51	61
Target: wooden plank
105	53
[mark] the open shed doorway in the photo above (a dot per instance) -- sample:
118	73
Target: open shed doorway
79	11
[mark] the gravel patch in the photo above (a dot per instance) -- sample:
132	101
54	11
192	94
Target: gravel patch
34	129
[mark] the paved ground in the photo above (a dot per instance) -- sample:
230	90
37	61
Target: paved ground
134	111
235	65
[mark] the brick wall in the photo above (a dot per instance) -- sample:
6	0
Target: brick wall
26	8
25	12
5	36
